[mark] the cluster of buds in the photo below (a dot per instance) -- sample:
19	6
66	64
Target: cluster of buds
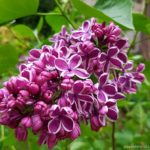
79	78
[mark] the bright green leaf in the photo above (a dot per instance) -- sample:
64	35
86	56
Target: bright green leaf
13	9
23	31
119	10
141	23
8	58
102	15
40	24
56	22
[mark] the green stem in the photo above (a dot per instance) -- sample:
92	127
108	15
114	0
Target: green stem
2	132
113	136
47	14
64	14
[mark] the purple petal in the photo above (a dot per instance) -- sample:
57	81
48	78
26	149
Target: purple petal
116	62
51	61
94	53
102	97
121	43
112	51
103	79
71	98
102	120
109	89
61	65
140	67
77	34
35	53
122	79
54	125
112	114
129	65
86	25
67	74
67	123
81	73
55	111
75	61
111	102
86	98
103	57
119	96
28	74
122	57
78	87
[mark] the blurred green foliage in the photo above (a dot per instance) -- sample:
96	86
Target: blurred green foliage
27	24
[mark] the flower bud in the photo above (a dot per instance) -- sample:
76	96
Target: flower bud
33	88
75	132
36	123
66	84
26	122
21	133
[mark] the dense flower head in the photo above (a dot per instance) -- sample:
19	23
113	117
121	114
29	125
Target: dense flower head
79	78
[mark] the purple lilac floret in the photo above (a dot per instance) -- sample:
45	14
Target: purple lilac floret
79	78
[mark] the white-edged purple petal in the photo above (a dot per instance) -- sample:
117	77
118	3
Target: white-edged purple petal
103	57
111	102
54	125
116	62
67	74
71	98
128	65
103	79
78	87
77	34
102	96
35	53
112	51
121	43
85	98
140	67
67	123
112	114
119	96
109	89
86	26
61	64
75	61
122	57
51	61
94	53
81	73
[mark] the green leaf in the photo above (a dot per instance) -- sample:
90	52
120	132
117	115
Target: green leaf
119	11
40	24
102	14
8	58
10	10
141	23
56	22
23	31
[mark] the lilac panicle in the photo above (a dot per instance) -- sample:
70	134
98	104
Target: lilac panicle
79	78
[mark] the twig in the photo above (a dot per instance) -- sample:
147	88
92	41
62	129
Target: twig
113	136
64	14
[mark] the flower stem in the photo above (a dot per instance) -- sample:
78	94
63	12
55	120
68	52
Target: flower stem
64	14
2	132
113	136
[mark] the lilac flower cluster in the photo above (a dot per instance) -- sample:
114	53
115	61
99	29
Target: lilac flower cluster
79	78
